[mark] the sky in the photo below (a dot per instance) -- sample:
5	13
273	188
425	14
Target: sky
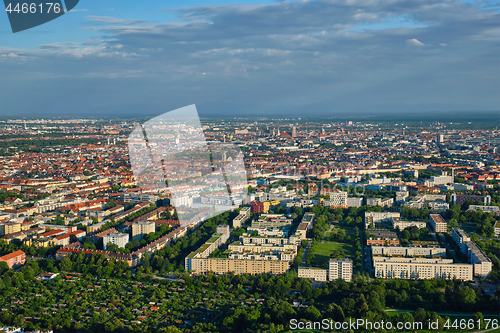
254	58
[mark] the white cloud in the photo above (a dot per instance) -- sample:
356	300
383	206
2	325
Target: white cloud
414	42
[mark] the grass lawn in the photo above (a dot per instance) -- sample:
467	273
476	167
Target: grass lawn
323	250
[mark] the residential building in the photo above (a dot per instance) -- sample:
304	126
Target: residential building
438	223
461	198
397	223
117	238
340	269
142	228
408	251
374	217
242	217
14	259
460	238
338	199
314	273
421	268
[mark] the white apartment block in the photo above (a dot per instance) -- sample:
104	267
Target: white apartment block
274	232
379	202
396	222
340	269
460	238
412	268
438	223
354	202
497	228
115	238
401	196
482	264
246	239
486	209
408	251
314	273
338	199
142	228
373	217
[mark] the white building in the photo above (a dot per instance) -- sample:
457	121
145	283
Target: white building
373	217
340	269
338	199
461	239
115	238
397	223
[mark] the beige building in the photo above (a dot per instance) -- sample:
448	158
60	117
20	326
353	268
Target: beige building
438	223
271	221
9	228
421	268
142	228
243	216
315	273
248	266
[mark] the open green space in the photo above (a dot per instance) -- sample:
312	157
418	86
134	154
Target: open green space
323	251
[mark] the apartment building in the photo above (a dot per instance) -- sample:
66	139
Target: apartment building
142	228
238	266
379	202
271	221
482	264
397	223
373	217
340	269
314	273
421	268
338	199
14	259
115	238
408	251
249	258
460	238
305	225
242	217
461	198
486	209
438	223
497	228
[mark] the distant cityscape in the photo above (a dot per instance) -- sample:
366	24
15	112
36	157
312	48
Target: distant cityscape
327	203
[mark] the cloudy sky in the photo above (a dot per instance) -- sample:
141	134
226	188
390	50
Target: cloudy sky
265	58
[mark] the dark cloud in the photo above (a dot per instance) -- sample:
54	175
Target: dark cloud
301	57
